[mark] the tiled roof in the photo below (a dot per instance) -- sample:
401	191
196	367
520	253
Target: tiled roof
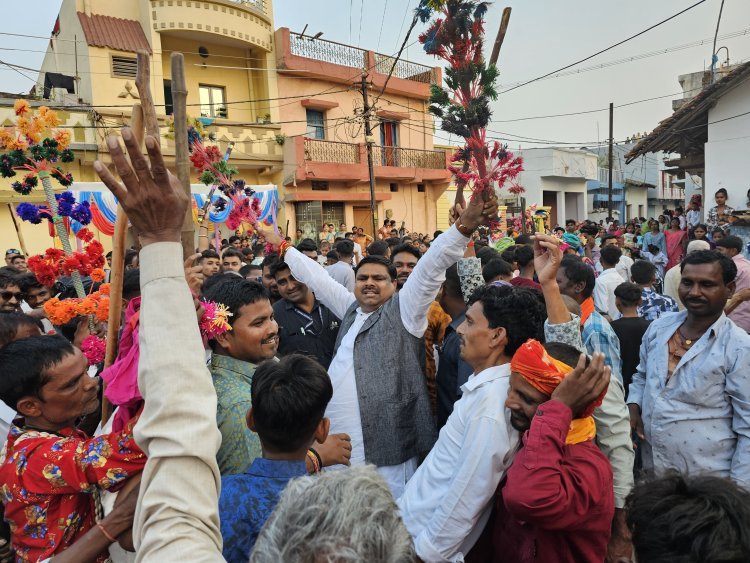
660	138
115	33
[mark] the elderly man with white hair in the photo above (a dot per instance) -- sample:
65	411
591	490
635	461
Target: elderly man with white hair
672	277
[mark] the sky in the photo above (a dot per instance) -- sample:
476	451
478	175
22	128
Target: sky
543	35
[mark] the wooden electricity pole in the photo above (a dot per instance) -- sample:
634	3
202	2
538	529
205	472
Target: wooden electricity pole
368	143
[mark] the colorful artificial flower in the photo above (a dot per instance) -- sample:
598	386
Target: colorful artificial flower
21	107
215	320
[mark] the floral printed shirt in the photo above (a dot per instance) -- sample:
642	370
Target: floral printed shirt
50	484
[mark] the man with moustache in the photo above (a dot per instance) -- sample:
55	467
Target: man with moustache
254	337
379	394
306	326
689	400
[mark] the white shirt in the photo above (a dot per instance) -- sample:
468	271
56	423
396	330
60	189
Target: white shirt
623	267
357	253
447	502
342	273
604	292
415	298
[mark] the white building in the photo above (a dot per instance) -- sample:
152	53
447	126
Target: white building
709	132
557	177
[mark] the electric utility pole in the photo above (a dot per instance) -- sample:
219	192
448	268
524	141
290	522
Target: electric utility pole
368	143
611	159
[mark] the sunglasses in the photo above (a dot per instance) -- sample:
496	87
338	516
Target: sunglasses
8	295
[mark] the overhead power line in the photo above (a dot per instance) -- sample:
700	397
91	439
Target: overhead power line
605	49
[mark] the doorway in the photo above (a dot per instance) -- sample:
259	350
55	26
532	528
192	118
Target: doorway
363	218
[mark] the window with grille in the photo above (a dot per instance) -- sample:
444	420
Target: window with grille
212	99
316	124
124	67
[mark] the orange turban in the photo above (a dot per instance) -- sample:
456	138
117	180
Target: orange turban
544	372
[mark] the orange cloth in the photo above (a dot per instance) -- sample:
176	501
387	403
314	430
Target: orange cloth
545	373
587	307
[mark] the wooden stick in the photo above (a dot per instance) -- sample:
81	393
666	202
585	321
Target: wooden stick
500	36
143	83
181	153
21	242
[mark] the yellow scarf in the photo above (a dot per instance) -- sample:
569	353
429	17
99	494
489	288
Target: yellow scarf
581	430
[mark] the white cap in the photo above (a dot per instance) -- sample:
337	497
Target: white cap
695	245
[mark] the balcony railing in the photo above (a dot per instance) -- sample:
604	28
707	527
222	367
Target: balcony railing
327	51
331	151
255	5
404	69
354	57
348	153
408	158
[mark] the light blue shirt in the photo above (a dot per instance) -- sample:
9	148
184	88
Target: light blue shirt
657	239
699	420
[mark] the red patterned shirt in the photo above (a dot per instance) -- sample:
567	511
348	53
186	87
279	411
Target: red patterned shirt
50	484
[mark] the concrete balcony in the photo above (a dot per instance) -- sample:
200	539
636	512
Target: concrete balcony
255	145
234	22
347	162
335	62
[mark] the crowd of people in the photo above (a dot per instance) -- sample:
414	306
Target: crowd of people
578	396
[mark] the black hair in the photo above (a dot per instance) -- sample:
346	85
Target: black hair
378	260
452	283
722	191
247	252
130	254
436	234
642	272
235	292
27	282
570	221
564	353
269	260
486	254
377	248
259	249
653	249
210	253
509	255
591	230
605	238
231	252
495	268
524	240
517	309
728	267
333	255
23	363
629	293
279	266
289	399
731	241
345	248
233	238
611	255
577	271
131	283
11	322
408	248
524	255
7	280
247	268
684	519
701	226
218	279
558	229
307	245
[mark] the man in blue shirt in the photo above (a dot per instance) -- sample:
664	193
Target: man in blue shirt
289	399
689	399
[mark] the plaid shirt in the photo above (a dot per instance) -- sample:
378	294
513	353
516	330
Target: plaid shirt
654	305
598	336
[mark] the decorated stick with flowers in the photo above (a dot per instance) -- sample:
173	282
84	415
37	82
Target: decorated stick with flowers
34	147
457	37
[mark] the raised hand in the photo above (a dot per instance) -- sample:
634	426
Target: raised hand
547	257
584	384
477	211
194	274
152	197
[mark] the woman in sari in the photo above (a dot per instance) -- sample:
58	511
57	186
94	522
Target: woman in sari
676	241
